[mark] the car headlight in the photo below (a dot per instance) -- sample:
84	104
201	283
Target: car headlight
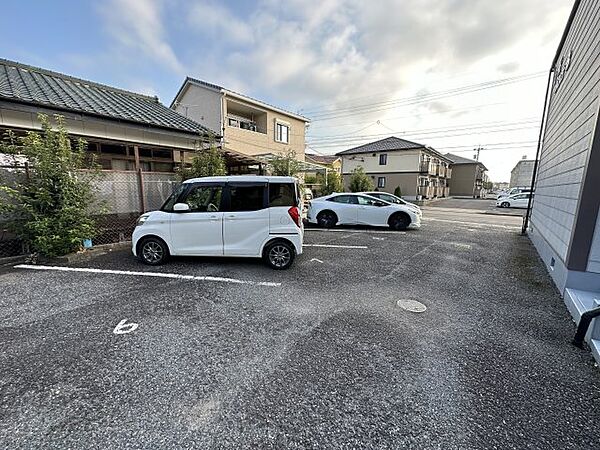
142	219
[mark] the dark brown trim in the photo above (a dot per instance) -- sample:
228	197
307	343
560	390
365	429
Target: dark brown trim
566	32
587	209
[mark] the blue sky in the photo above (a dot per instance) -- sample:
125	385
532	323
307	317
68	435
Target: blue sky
319	57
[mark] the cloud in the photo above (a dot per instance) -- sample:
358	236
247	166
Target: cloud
137	26
508	67
214	20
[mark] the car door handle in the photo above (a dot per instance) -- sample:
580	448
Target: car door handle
214	218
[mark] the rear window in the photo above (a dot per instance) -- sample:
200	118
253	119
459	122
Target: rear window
282	194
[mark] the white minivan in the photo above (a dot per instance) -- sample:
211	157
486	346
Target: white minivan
242	216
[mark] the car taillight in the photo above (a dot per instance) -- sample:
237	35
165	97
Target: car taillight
294	213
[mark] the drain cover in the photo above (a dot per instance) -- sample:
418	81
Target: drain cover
411	305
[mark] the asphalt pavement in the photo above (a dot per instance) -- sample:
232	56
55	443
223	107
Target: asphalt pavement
220	353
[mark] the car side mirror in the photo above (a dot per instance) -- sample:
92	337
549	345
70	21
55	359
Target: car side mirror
181	207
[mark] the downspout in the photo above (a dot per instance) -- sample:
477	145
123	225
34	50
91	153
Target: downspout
537	153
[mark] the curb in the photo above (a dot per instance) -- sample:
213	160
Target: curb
84	255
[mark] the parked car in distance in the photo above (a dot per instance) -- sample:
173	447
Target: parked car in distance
391	198
514	201
513	191
242	216
361	209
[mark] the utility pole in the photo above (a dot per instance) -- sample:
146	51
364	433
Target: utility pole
476	157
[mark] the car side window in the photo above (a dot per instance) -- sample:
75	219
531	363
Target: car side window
348	199
204	198
247	198
366	201
389	198
282	194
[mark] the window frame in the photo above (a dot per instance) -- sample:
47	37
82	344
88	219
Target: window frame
379	183
383	157
279	123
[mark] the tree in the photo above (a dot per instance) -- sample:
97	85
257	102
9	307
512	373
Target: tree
51	209
333	184
205	163
360	181
398	192
285	164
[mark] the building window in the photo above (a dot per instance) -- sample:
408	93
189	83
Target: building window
282	132
383	159
381	181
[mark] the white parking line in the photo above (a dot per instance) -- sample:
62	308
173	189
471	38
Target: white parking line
330	230
176	276
476	224
334	246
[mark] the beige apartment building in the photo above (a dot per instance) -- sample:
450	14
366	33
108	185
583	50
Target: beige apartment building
468	177
248	126
421	172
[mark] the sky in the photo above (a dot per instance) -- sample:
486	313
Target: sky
452	74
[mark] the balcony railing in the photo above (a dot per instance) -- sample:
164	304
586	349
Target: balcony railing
424	167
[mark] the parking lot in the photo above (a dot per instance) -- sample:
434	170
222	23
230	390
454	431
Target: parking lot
205	353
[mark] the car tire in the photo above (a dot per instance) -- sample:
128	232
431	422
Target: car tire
399	221
327	219
279	255
153	251
505	205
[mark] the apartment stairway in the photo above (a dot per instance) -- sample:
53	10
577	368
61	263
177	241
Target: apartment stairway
578	302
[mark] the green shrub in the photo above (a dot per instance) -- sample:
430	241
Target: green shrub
398	192
205	163
51	209
360	181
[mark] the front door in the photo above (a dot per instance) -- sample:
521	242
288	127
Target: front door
199	231
371	214
246	221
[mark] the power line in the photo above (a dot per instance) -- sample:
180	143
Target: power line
482	127
390	104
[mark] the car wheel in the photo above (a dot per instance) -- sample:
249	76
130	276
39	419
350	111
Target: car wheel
153	251
505	205
327	219
399	221
279	255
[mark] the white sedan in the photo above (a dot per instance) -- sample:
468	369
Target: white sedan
361	209
514	201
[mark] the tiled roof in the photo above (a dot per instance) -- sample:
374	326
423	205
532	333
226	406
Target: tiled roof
322	159
461	160
27	84
387	144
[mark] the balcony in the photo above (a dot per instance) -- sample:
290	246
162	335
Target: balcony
246	117
424	167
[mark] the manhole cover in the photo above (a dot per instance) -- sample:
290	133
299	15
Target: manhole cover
411	305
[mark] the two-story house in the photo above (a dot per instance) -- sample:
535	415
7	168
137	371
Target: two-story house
468	177
420	171
248	126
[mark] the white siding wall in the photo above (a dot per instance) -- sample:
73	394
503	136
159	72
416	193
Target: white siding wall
202	105
397	161
571	120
